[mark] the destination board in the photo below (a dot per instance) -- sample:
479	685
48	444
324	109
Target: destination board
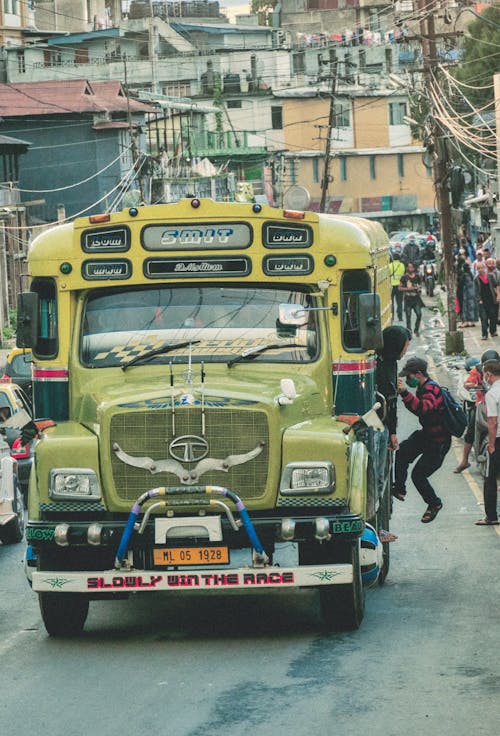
192	268
296	265
199	236
284	235
106	270
109	240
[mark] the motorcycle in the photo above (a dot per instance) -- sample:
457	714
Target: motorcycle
429	277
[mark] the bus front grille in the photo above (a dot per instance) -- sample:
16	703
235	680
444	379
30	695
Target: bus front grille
227	432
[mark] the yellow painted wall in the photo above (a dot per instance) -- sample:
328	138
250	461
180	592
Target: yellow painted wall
371	131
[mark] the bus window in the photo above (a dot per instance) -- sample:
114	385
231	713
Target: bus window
220	320
354	283
46	344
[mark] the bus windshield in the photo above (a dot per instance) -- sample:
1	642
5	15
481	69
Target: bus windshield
221	321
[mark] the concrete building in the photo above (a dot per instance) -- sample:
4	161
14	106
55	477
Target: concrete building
86	142
376	169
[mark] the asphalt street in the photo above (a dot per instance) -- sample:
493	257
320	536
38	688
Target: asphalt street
423	662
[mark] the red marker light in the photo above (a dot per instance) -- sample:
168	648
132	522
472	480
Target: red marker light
294	214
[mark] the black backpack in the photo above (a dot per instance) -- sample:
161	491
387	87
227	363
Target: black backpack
455	418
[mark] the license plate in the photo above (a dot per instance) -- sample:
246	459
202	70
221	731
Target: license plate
191	556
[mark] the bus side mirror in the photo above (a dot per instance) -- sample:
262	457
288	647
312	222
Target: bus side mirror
370	321
293	315
27	319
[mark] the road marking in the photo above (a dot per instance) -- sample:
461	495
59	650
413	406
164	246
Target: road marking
11	642
472	482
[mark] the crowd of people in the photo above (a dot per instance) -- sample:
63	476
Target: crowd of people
478	299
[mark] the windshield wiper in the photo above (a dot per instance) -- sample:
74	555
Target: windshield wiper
159	351
253	352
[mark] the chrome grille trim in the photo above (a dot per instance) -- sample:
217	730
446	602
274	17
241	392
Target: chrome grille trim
227	431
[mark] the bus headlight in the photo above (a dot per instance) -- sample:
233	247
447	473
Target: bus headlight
73	483
307	477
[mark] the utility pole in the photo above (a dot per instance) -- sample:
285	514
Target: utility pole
454	341
331	124
133	137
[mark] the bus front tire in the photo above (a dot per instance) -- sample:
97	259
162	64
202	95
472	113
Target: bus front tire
343	606
64	614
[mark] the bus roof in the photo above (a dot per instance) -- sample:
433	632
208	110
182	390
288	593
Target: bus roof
348	238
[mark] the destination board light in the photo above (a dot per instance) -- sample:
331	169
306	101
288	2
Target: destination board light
100	218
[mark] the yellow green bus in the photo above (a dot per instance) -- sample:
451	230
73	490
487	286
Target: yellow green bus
203	362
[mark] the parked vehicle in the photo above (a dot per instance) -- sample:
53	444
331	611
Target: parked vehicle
200	369
12	518
18	370
15	409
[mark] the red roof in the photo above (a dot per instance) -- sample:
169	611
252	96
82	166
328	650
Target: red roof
72	96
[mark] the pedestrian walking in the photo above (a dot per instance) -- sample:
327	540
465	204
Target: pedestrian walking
474	381
486	288
411	252
429	444
466	293
396	271
491	375
411	287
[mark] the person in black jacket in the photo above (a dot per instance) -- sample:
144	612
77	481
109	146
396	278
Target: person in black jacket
411	252
396	341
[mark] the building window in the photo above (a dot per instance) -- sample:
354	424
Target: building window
397	113
315	165
277	118
233	103
21	62
373	171
343	168
181	88
299	62
342	115
401	165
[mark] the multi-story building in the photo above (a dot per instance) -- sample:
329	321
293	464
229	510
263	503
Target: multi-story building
376	169
13	230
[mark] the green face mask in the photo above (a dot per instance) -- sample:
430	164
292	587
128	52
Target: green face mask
412	382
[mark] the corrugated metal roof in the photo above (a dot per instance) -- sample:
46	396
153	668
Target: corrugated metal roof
72	38
68	96
7	140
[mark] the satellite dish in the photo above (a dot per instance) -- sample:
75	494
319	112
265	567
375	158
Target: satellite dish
297	198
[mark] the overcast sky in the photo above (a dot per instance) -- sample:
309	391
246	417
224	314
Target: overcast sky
234	7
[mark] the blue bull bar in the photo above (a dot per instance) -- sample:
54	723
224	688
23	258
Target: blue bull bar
161	492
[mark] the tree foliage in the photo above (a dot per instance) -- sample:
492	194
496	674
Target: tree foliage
481	57
263	8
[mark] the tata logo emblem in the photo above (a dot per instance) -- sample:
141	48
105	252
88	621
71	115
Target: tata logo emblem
188	449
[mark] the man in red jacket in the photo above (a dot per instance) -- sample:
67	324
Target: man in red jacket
430	444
